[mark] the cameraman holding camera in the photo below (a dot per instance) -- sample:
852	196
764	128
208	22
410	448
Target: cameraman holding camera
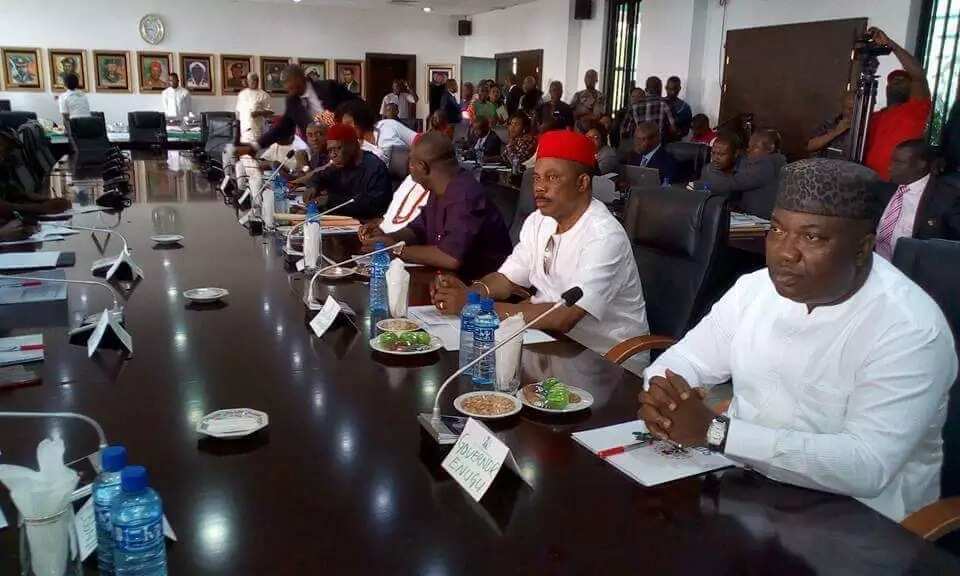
907	111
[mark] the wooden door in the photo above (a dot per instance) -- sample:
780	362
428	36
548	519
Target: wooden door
382	70
790	77
528	62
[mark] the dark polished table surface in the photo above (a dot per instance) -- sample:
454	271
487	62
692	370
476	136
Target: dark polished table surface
343	481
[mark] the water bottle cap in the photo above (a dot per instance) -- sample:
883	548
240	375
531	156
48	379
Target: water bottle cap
473	298
379	246
134	479
113	458
312	209
486	305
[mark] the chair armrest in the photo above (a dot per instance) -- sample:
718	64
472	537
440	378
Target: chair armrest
628	348
936	520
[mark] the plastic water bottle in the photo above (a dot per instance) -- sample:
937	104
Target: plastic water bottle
379	306
137	517
467	316
280	194
106	488
484	338
267	208
312	240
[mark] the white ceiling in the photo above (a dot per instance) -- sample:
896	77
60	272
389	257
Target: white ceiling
449	7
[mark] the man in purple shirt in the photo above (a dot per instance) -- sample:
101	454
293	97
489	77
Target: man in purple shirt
459	229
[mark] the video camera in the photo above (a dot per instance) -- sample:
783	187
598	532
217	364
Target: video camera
866	47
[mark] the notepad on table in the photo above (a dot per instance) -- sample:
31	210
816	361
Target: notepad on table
651	464
21	349
28	260
16	291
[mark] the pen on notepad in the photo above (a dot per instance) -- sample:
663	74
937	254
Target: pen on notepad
608	452
25	284
24	348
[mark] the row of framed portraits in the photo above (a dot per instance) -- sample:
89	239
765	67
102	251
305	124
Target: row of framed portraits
202	74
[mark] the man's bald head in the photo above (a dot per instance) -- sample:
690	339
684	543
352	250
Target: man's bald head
432	155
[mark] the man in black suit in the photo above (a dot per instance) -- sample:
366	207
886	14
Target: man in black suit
648	153
306	99
514	93
918	204
449	104
484	143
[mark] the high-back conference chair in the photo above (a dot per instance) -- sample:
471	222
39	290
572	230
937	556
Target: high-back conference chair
88	139
677	239
924	262
36	149
147	129
16	118
691	157
217	130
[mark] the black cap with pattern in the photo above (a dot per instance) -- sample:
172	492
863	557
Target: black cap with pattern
829	188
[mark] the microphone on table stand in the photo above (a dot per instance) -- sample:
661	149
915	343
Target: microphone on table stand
263	184
83	491
317	218
339	264
432	421
82	333
122	263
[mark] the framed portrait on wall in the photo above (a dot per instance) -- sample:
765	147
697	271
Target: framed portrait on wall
435	82
63	62
313	68
273	73
349	73
22	69
196	73
111	71
154	70
233	72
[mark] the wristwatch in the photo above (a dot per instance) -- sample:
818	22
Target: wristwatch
717	434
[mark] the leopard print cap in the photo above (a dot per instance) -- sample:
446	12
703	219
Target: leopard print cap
829	188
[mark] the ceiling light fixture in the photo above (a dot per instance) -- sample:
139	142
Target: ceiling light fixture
427	9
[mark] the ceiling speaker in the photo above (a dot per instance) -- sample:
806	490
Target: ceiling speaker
583	10
465	27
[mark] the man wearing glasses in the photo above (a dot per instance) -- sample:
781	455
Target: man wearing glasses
571	240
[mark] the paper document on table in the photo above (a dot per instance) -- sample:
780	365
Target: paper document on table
55	230
740	221
27	260
76	211
21	349
35	239
447	328
16	291
339	229
652	463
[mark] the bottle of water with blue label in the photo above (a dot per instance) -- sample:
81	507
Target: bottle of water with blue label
467	316
379	306
137	519
484	338
280	194
106	488
312	239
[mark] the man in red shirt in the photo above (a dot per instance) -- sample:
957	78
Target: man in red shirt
907	111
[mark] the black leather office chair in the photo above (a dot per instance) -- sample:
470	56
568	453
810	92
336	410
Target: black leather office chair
147	129
4	105
99	115
925	262
677	240
691	157
399	166
36	149
16	118
88	139
504	198
217	130
525	206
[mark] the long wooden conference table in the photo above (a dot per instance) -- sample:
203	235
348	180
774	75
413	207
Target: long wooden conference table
343	481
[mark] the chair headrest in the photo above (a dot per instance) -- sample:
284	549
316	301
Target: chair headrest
666	218
87	128
687	151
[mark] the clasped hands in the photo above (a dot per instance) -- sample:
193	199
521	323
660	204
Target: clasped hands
672	410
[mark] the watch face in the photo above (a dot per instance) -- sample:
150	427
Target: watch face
151	29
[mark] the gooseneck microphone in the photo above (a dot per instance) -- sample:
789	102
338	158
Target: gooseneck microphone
567	299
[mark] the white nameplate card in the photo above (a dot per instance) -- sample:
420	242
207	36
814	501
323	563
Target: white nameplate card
108	322
476	459
324	319
3	520
245	217
301	265
85	522
125	259
223	184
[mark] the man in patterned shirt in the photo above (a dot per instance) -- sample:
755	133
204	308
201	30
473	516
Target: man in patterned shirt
588	104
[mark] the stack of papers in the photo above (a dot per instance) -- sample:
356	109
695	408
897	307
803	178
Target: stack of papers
744	222
16	291
47	233
21	349
75	211
447	328
28	260
652	463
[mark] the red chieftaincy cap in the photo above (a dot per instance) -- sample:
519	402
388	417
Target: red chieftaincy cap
568	145
341	132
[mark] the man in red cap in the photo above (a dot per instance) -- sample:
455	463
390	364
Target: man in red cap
907	111
354	174
572	240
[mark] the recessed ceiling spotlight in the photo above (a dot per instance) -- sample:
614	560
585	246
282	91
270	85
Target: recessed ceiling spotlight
427	9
